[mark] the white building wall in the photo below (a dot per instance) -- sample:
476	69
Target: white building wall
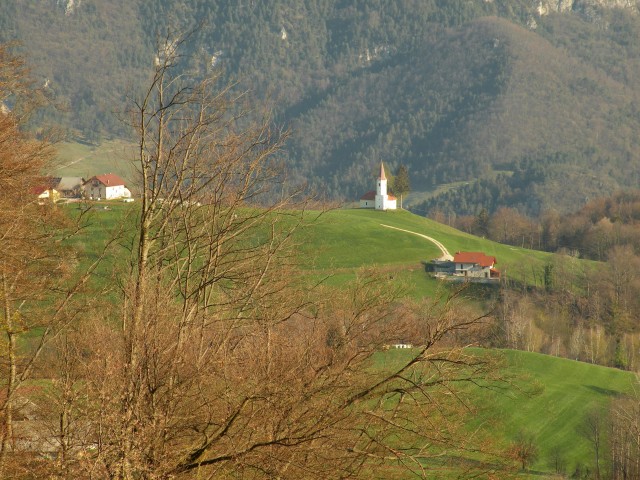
381	195
472	270
117	191
98	190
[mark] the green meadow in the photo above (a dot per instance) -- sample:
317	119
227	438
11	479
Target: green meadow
550	396
562	393
545	398
75	159
340	241
335	244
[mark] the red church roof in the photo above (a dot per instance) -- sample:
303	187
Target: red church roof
370	195
478	258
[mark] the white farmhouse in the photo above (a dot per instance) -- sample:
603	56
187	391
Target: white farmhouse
475	264
105	187
378	198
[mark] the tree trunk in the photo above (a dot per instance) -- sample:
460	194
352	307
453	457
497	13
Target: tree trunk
7	427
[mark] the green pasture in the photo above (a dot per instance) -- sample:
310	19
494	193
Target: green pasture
75	159
352	238
332	246
544	397
550	400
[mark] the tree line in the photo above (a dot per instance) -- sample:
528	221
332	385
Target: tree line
576	309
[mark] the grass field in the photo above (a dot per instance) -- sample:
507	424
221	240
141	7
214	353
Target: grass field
351	238
566	391
339	242
84	160
549	398
336	244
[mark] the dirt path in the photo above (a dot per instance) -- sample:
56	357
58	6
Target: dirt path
445	253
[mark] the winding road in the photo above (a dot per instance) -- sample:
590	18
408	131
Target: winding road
445	253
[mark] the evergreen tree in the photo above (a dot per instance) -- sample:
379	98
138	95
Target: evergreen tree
482	221
401	183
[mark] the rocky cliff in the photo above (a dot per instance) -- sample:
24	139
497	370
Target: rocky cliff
544	7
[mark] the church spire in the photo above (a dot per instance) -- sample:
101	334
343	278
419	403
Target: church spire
382	175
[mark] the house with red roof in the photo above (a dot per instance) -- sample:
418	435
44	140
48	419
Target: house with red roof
475	265
45	191
106	187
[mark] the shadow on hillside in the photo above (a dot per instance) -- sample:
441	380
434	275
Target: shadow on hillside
603	391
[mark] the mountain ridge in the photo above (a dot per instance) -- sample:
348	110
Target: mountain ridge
456	91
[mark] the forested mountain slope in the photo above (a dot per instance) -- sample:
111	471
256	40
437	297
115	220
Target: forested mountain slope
489	96
532	103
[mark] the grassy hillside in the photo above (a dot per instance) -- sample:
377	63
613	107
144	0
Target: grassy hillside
86	160
566	391
335	244
548	401
550	397
345	239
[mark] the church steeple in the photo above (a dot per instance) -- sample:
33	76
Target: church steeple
381	190
383	201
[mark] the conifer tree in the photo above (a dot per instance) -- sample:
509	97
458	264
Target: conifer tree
401	182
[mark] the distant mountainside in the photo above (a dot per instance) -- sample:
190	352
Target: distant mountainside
527	103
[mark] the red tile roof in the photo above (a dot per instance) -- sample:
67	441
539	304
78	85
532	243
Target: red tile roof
370	195
108	180
45	183
478	258
40	189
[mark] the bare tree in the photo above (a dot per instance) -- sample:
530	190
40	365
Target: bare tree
219	359
593	429
624	437
38	278
24	237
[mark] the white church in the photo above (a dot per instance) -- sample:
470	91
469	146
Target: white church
378	198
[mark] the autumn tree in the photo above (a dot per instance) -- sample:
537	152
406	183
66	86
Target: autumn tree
39	281
524	449
507	225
